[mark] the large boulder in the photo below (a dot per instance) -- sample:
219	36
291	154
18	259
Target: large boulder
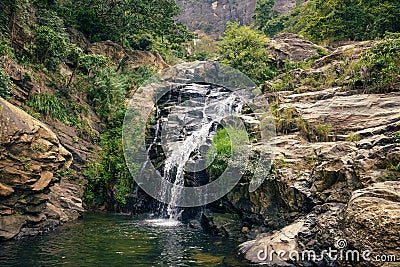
35	193
372	219
266	247
290	46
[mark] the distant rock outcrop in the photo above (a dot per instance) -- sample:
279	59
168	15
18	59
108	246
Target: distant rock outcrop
128	58
35	190
210	16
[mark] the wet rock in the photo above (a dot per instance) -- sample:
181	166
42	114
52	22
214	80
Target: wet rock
220	224
10	226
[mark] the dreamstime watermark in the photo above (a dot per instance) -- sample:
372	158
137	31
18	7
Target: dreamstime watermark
338	254
141	110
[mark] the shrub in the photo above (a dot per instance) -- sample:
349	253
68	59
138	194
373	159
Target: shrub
51	47
107	95
219	154
244	48
379	67
48	105
332	20
221	150
397	137
109	180
353	137
5	85
323	132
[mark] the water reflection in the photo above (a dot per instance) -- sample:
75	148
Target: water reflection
105	240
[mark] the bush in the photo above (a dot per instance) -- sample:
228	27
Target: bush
107	95
5	47
5	85
48	105
109	179
221	149
334	20
51	47
323	132
245	49
379	67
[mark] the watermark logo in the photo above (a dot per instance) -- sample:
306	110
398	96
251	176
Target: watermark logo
141	110
340	253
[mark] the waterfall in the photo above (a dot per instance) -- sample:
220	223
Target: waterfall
189	123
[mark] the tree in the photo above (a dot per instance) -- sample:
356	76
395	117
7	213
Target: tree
245	49
118	20
332	20
264	12
345	19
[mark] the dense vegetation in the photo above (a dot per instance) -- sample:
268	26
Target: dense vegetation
244	48
95	83
333	20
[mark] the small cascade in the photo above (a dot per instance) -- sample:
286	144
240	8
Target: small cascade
186	122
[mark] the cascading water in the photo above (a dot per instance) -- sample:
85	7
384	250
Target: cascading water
186	122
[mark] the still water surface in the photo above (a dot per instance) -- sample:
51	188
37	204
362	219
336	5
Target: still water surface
116	240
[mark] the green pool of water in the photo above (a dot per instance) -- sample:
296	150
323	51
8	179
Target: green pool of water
117	240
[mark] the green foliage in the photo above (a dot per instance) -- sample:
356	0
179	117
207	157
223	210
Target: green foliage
51	47
5	47
333	20
109	180
203	48
107	95
48	105
394	167
219	154
90	62
288	120
323	132
107	90
264	12
5	85
221	150
397	137
353	137
379	67
244	48
120	21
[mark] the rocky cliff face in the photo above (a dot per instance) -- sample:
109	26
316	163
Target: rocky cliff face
285	6
335	174
211	16
35	192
